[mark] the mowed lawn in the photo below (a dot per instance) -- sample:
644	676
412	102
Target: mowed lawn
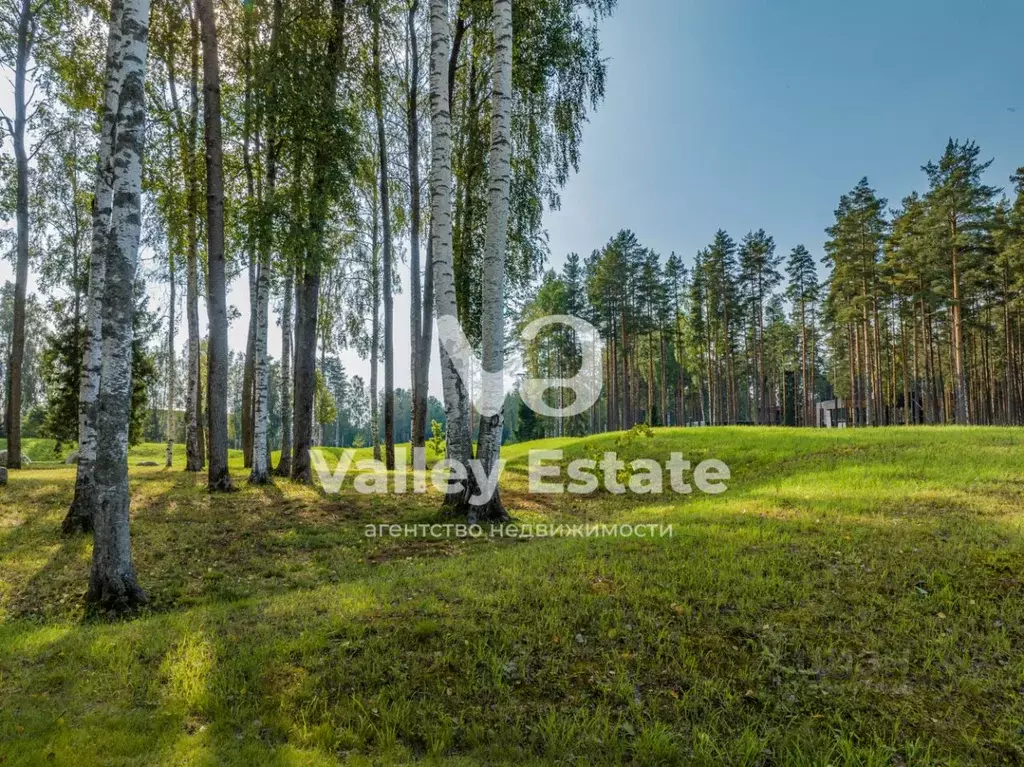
854	598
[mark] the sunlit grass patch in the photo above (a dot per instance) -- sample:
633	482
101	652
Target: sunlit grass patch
853	598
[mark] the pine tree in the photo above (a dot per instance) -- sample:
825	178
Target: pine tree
959	205
802	292
759	274
854	251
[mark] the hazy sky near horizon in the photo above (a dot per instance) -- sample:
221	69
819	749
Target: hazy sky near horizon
743	114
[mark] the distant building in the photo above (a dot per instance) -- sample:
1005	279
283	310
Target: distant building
832	414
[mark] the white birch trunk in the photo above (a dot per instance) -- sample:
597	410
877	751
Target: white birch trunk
284	463
170	364
112	581
456	399
261	468
195	451
79	517
260	474
495	242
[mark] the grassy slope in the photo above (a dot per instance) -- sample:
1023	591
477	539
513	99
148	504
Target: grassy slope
854	598
40	450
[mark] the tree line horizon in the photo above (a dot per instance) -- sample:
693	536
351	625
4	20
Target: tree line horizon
918	319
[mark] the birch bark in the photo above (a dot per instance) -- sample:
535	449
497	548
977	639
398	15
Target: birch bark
284	463
170	359
495	241
79	516
112	582
385	207
26	32
456	400
420	353
260	474
195	453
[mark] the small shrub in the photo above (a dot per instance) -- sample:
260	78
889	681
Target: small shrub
436	441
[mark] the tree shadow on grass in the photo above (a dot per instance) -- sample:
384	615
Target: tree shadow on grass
748	624
58	587
163	685
192	548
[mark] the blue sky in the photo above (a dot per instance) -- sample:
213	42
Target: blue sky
722	113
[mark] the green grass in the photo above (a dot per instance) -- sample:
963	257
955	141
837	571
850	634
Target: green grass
855	598
40	450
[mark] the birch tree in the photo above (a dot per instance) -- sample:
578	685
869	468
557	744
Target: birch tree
387	252
284	462
79	516
171	320
456	397
25	27
421	296
260	473
495	243
112	582
195	451
250	135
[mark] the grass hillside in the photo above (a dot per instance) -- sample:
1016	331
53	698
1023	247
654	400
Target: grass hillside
854	598
41	450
